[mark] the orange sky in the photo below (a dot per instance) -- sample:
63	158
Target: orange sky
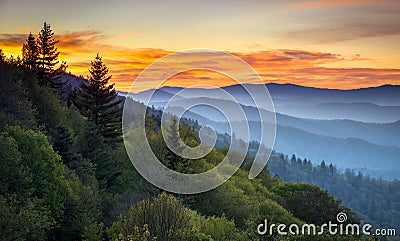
323	43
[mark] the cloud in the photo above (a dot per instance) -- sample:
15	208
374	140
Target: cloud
282	59
80	38
344	31
346	20
12	40
273	65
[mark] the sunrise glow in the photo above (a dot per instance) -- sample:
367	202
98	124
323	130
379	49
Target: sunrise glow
330	44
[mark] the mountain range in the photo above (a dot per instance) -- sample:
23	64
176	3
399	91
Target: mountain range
357	129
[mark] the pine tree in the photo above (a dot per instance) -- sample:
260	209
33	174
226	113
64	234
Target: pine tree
293	160
173	160
2	57
93	148
99	103
63	143
30	53
48	59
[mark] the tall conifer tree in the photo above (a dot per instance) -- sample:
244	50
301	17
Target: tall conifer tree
98	101
30	53
48	59
173	160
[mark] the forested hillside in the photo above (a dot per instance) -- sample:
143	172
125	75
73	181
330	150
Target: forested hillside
376	200
65	174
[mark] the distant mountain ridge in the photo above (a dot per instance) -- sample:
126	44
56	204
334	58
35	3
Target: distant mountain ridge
350	128
357	111
380	95
375	104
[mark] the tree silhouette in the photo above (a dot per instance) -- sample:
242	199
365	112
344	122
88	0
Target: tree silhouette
98	101
30	53
48	59
173	160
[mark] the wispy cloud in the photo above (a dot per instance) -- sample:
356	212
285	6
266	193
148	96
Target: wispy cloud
12	40
344	31
273	65
345	20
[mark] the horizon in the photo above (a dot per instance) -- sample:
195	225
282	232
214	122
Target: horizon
302	86
336	44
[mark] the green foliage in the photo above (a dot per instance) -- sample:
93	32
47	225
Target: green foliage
15	175
63	143
39	168
220	228
172	160
94	232
317	206
93	148
34	182
326	237
80	210
165	216
23	219
24	102
50	110
15	104
49	181
137	235
21	214
168	219
229	200
374	200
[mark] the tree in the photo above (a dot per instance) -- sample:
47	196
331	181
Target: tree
173	160
93	148
310	203
63	143
30	53
22	219
99	103
48	59
293	160
323	165
15	104
15	177
165	217
34	175
2	57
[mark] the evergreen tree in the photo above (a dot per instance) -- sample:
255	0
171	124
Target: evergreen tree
16	108
63	143
30	53
2	57
48	59
172	160
98	101
93	148
293	160
331	170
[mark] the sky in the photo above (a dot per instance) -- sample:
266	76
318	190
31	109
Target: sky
342	44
